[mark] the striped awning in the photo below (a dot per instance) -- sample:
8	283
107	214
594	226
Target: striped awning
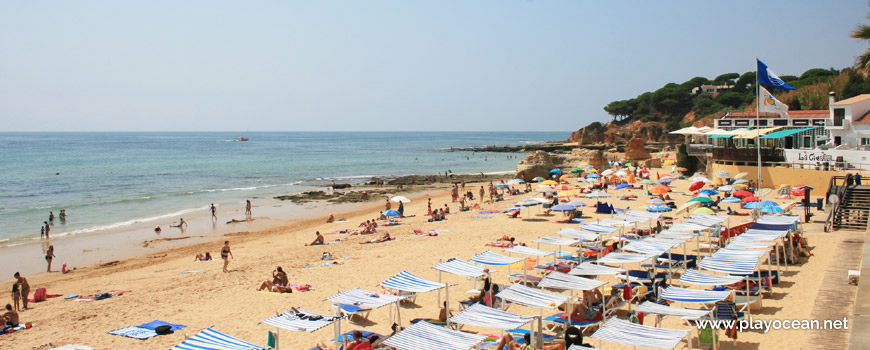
673	243
633	218
520	294
521	249
490	258
581	347
425	336
556	241
715	219
613	222
644	214
682	226
699	278
599	228
675	235
210	339
674	293
733	261
632	334
460	267
298	321
558	280
782	219
749	244
623	258
649	307
648	247
484	316
408	282
363	298
581	235
592	269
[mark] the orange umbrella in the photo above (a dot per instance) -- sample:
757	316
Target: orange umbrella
631	178
660	189
564	177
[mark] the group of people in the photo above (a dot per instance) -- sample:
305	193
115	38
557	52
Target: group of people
45	230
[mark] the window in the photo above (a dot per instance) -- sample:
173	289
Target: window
808	143
839	115
838	140
865	141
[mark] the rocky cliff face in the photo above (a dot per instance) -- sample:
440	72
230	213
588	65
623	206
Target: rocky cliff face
540	163
649	132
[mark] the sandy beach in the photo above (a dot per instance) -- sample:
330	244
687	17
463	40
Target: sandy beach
230	303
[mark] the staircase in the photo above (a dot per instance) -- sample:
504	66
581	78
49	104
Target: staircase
853	209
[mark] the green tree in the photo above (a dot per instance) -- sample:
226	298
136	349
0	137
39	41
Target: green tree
746	82
726	79
684	160
862	32
731	99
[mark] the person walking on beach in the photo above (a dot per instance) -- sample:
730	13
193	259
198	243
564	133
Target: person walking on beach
213	213
226	253
49	256
401	209
481	193
47	229
454	193
24	287
248	208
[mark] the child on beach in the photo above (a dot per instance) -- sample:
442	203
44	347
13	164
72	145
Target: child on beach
16	296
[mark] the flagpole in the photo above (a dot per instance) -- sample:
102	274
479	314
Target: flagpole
757	131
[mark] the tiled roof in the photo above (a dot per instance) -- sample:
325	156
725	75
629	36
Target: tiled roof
817	113
864	118
852	100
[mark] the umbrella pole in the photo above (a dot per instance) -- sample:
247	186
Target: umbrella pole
447	304
337	328
439	281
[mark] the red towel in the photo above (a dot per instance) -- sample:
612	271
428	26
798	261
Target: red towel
627	291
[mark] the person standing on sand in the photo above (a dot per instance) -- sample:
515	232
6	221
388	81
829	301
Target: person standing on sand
24	287
454	193
248	208
481	193
226	253
47	229
213	213
49	256
401	210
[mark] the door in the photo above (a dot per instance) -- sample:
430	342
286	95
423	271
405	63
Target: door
789	142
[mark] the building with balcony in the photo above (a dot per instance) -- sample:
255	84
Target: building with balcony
849	123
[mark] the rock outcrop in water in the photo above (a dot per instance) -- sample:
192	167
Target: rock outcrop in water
536	164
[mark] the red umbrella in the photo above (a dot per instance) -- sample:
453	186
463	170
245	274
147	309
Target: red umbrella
749	199
798	190
696	185
741	193
644	171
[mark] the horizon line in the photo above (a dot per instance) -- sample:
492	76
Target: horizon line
263	131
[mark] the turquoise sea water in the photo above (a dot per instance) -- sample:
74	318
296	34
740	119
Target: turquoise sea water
112	180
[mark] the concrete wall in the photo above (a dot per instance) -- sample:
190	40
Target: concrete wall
774	177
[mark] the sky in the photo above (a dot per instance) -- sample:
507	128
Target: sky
481	65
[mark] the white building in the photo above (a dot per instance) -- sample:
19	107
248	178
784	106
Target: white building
849	123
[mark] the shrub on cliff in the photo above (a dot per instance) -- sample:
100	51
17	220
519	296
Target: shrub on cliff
684	160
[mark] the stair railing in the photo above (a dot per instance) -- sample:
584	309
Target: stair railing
840	191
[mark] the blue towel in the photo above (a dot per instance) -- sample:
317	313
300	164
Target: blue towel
157	323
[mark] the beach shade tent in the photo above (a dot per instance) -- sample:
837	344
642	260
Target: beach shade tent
688	295
689	227
730	200
425	336
519	249
624	332
622	185
703	211
493	259
581	235
702	199
210	339
391	212
696	186
633	218
723	173
778	220
675	235
562	281
699	278
709	192
643	214
401	199
597	194
613	222
363	301
557	241
653	308
520	294
598	228
592	269
647	182
480	315
660	189
298	320
409	283
623	258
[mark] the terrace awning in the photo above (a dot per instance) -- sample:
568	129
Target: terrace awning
785	133
755	133
407	282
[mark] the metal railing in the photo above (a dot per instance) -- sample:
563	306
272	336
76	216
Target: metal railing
748	154
840	191
698	149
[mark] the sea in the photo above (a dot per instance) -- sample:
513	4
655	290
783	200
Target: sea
110	180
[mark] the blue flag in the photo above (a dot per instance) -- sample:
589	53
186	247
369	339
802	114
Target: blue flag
768	77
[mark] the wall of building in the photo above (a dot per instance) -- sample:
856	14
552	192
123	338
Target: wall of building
773	177
854	158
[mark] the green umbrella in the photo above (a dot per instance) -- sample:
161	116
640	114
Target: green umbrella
647	182
701	199
577	170
629	164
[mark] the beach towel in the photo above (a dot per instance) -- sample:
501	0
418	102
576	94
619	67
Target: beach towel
20	327
486	212
113	293
135	332
572	221
192	271
157	323
40	295
481	217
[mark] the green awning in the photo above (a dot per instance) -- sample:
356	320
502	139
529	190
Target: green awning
784	133
721	136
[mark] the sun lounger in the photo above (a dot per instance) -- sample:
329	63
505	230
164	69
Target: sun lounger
555	321
352	310
526	279
561	267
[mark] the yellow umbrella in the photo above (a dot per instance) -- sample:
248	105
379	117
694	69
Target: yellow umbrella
567	193
703	211
740	185
549	182
669	162
686	207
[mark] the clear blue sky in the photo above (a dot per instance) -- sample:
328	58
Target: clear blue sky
385	65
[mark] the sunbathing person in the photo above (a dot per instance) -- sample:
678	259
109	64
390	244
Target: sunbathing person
279	277
331	219
276	288
581	312
318	240
203	257
384	238
444	313
10	318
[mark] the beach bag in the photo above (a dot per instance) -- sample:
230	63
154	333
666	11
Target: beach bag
326	256
102	295
163	330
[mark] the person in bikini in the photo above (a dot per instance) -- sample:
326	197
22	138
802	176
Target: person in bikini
49	256
203	257
225	254
280	277
274	287
24	288
181	224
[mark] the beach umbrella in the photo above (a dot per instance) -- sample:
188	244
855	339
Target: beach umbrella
644	171
589	180
772	209
597	194
660	189
704	211
549	183
768	203
726	188
589	168
655	201
592	176
577	203
647	182
629	164
514	182
391	212
538	179
658	208
723	173
701	179
686	207
741	181
752	205
563	207
668	162
667	180
731	200
556	171
741	186
576	170
567	194
701	199
749	199
402	199
789	206
607	172
564	177
709	192
501	185
696	185
527	203
621	186
621	173
742	193
564	187
541	200
740	176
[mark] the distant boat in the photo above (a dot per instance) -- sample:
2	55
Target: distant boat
241	138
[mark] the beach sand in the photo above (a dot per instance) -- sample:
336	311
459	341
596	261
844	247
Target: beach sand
230	303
